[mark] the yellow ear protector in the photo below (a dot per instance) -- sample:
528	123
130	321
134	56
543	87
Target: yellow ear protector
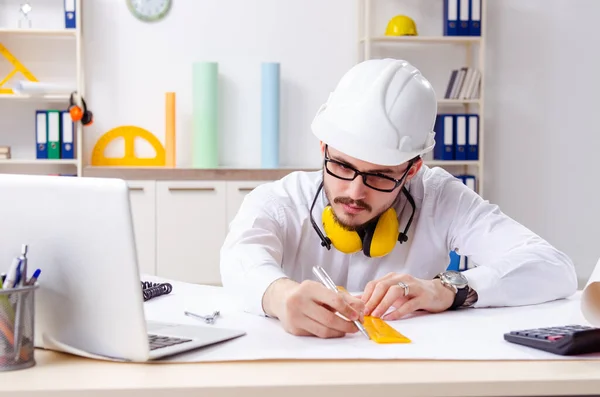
377	238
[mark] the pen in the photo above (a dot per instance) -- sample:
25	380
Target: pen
34	278
22	280
328	282
11	276
24	264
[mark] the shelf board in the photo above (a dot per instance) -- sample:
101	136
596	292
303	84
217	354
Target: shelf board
184	173
40	162
40	32
440	163
425	39
23	97
458	101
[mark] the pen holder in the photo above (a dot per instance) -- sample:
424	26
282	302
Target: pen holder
17	327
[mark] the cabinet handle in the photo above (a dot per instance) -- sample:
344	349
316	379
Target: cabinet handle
136	188
191	188
245	189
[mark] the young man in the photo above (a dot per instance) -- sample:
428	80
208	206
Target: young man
380	222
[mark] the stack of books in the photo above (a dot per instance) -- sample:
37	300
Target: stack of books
464	83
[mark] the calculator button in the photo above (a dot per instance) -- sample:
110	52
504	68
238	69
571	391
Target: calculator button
555	337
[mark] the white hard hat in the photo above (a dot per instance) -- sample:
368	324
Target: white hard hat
382	112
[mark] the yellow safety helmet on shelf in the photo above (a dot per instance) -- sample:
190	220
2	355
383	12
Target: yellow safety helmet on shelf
401	25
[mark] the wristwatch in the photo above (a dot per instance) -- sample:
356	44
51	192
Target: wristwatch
464	296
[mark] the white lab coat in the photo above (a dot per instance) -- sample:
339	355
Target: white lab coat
272	237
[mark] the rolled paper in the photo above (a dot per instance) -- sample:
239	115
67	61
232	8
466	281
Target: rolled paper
205	149
590	298
270	77
170	152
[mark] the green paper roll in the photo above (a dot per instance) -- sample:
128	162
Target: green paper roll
205	149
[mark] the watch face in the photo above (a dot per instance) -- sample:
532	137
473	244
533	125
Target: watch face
455	278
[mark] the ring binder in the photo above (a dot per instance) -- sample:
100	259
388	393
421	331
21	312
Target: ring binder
152	290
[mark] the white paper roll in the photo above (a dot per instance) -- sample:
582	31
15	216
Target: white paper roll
35	88
590	299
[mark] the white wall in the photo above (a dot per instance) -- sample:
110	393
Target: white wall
542	78
542	120
130	65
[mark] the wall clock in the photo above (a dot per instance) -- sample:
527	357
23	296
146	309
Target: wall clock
149	10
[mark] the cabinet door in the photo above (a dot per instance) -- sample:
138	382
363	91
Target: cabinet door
236	191
142	195
191	227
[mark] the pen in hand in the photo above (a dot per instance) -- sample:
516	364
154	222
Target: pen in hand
328	282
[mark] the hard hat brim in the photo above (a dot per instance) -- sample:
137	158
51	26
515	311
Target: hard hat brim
348	144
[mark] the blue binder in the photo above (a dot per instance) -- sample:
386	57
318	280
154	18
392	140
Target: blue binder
473	137
469	180
454	261
460	137
67	135
475	25
464	17
70	14
444	137
463	263
41	134
450	17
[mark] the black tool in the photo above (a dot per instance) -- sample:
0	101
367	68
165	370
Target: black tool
564	340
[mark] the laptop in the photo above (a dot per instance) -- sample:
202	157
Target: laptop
79	232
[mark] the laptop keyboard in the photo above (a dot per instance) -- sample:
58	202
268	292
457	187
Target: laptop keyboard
158	341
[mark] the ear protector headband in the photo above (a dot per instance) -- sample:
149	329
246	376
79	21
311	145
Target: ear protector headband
80	114
377	238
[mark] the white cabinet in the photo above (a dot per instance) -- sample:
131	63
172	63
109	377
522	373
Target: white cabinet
191	227
236	191
180	225
143	210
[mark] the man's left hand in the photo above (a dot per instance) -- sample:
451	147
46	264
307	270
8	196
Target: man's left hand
429	295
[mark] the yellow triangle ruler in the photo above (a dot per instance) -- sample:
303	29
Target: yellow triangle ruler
18	68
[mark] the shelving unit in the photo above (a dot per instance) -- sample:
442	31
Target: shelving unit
24	104
370	37
39	162
42	32
422	39
22	97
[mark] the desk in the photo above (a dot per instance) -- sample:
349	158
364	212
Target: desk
58	374
61	375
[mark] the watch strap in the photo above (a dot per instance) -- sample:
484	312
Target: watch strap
460	297
472	297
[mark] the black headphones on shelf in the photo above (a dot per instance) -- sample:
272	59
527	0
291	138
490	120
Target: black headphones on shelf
80	113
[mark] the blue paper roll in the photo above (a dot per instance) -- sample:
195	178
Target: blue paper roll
270	115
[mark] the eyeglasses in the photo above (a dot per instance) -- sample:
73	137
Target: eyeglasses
379	182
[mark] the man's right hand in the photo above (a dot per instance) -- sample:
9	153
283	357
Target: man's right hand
308	308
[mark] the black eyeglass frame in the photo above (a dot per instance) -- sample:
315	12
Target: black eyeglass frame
365	175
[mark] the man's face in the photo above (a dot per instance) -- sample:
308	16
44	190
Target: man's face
355	204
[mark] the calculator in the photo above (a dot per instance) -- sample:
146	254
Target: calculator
564	340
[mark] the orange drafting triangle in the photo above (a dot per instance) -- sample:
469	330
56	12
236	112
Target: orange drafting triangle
18	68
